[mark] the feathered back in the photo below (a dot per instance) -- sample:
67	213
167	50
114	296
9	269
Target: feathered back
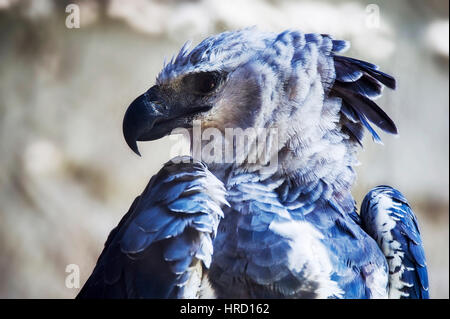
358	84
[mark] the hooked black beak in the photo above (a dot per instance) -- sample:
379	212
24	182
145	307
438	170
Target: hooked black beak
148	119
140	118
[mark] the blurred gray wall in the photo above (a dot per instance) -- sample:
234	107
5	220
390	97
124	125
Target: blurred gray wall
66	175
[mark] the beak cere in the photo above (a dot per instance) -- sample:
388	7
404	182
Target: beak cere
140	118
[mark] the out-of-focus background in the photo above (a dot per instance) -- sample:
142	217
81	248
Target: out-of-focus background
66	174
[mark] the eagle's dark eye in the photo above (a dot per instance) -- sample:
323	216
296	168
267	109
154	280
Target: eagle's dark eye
203	82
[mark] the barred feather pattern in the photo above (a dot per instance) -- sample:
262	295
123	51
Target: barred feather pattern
389	219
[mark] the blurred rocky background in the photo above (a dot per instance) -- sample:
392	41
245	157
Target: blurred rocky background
66	174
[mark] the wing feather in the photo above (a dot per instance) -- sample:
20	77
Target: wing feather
168	230
389	219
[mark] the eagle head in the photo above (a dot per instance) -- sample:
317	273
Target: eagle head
289	81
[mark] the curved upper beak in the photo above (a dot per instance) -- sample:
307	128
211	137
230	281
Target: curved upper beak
148	118
140	119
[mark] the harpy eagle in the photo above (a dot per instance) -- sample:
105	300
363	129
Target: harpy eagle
243	229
